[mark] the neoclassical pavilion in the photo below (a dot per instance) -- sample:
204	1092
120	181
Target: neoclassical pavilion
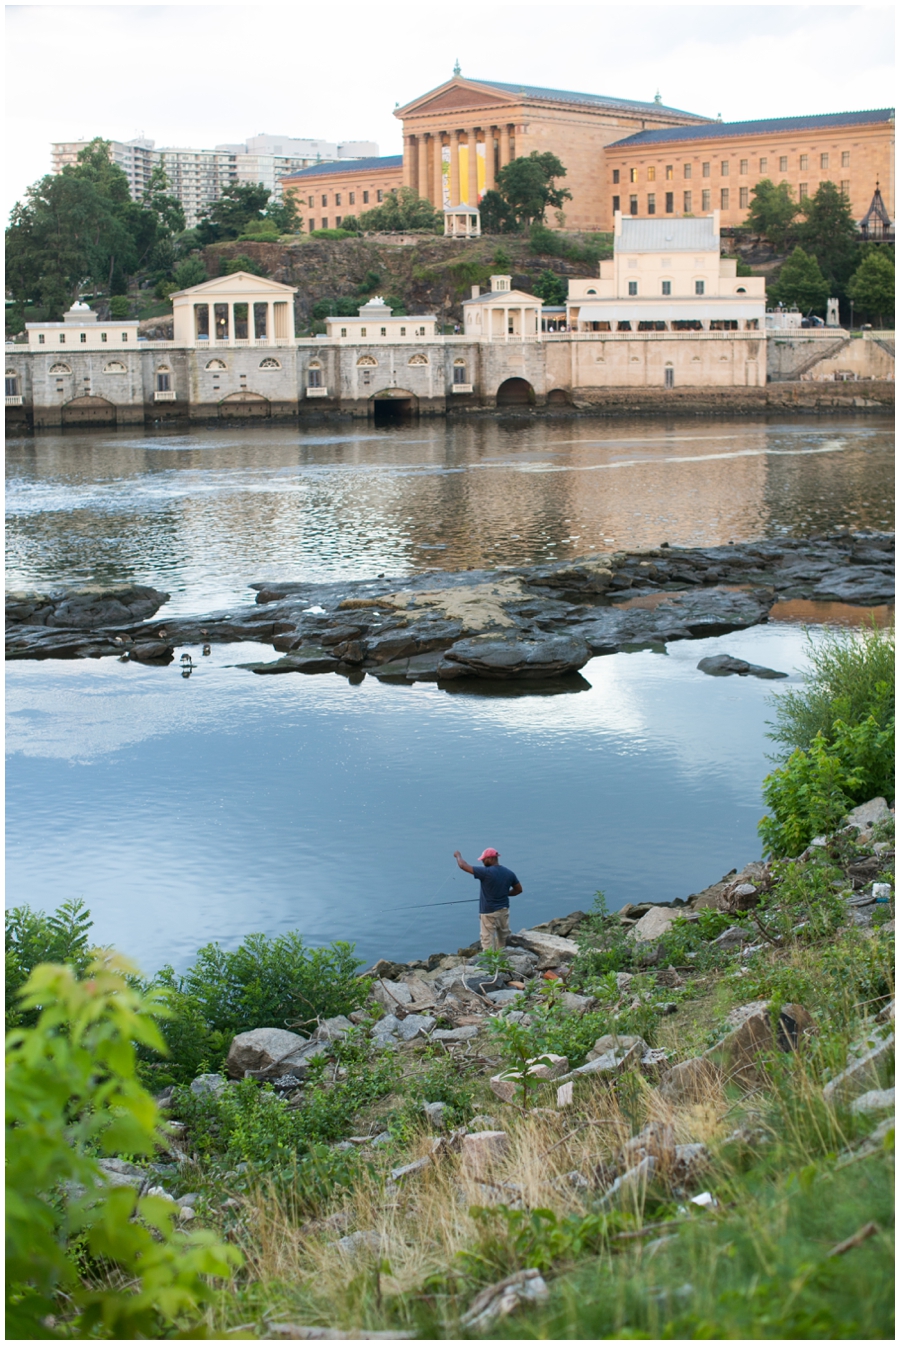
235	310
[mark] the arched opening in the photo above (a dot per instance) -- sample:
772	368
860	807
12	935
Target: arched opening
89	411
515	392
393	406
244	406
557	397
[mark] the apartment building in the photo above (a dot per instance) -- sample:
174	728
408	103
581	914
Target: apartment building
136	158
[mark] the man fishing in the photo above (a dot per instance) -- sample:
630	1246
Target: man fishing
498	884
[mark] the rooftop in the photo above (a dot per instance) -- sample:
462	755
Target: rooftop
668	235
591	99
723	130
349	166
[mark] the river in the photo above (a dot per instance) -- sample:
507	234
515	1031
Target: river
185	810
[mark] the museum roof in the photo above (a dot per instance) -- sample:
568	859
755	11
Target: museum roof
351	166
592	99
723	130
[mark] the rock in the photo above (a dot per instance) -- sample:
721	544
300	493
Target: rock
504	996
295	1331
612	1041
483	1150
617	1055
484	984
677	616
632	1185
207	1083
387	1026
654	925
667	977
577	1003
151	651
522	964
392	994
877	1099
267	1052
88	608
867	814
410	1169
623	980
454	1034
482	1122
436	1113
743	1053
185	1213
117	1172
724	665
656	1140
332	1029
415	1025
690	1081
863	1071
690	1163
309	659
383	1137
732	937
162	1193
189	1200
546	946
356	1243
494	656
499	1300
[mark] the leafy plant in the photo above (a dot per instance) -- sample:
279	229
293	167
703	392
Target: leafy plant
800	282
519	1046
871	286
402	211
71	1091
773	211
550	287
494	960
231	265
33	937
538	1239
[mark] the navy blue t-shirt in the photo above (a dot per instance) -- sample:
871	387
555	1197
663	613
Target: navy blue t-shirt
496	882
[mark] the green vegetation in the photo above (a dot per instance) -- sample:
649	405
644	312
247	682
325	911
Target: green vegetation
829	233
772	211
247	211
550	287
231	265
801	283
871	286
403	211
526	189
33	937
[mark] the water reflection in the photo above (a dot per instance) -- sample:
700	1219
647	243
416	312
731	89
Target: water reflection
204	514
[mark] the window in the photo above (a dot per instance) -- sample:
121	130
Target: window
402	331
632	175
384	331
314	377
60	369
216	364
670	172
312	225
670	202
699	286
724	198
343	331
617	205
353	198
115	367
124	336
845	186
362	331
804	162
823	160
12	383
651	174
325	223
803	190
459	372
268	363
845	158
365	198
632	287
41	339
337	198
651	203
380	195
62	339
726	168
102	337
705	170
688	170
163	382
311	202
632	204
324	198
337	221
687	202
764	165
782	164
667	287
669	372
745	198
84	338
615	177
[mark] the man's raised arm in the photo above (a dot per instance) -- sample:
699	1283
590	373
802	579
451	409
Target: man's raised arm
467	868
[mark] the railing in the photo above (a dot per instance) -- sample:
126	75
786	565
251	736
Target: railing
203	343
164	396
753	335
14	401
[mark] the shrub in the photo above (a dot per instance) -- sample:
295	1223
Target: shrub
71	1091
33	937
851	676
333	234
119	306
550	287
231	265
189	272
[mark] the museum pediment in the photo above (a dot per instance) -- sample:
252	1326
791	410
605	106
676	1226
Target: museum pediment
454	97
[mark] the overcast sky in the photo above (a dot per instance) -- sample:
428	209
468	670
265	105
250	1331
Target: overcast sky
201	74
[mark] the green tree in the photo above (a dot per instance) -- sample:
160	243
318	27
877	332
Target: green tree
190	272
871	286
496	214
772	211
829	233
550	287
103	1260
242	263
800	282
242	205
528	186
401	211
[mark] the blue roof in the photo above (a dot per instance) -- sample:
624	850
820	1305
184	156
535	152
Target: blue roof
351	166
721	130
593	99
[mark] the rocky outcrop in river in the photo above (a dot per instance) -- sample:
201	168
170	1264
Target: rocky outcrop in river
529	622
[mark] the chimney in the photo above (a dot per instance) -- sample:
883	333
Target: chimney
476	291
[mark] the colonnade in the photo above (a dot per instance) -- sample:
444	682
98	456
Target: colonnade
263	323
423	161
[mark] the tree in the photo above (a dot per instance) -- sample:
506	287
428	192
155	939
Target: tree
550	287
800	282
496	215
830	234
240	205
527	185
189	272
772	211
871	286
402	211
242	263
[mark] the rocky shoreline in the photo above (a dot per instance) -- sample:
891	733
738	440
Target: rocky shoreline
530	623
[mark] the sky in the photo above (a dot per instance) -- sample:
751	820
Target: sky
203	74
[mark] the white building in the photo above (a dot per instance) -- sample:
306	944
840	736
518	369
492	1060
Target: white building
503	314
81	330
137	158
667	275
376	323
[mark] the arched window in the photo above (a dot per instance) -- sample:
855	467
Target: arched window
217	364
314	374
269	363
164	378
740	290
418	359
12	383
60	369
115	367
366	361
459	371
592	291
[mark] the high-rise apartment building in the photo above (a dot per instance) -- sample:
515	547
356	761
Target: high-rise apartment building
136	158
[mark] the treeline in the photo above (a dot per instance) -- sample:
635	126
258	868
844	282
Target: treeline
827	258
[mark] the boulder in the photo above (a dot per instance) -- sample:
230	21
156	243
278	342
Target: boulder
332	1029
90	608
867	814
743	1053
863	1072
690	1081
454	1034
267	1052
550	948
613	1041
506	656
415	1025
308	659
436	1114
118	1172
632	1185
525	1287
725	665
207	1083
387	1026
652	926
656	1139
576	1003
483	1150
876	1100
392	994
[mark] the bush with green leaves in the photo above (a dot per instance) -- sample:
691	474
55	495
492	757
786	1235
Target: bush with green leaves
33	937
800	283
231	265
871	286
263	983
551	288
119	306
84	1258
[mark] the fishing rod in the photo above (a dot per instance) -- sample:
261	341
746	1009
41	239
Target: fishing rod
431	904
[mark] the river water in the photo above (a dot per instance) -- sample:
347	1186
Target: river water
185	810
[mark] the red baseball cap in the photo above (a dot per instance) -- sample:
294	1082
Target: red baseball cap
489	853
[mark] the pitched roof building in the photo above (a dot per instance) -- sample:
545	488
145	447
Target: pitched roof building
328	192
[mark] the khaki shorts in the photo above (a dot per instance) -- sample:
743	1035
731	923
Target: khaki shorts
494	928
